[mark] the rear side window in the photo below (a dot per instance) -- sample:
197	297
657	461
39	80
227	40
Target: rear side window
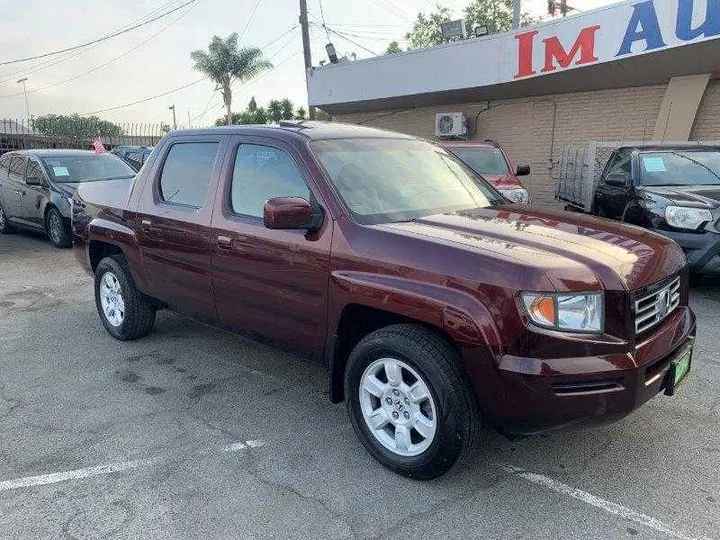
261	173
4	166
17	166
186	173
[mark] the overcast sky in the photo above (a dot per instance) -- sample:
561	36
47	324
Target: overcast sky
163	62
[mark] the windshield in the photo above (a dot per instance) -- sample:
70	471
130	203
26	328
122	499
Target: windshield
390	180
86	167
486	160
680	168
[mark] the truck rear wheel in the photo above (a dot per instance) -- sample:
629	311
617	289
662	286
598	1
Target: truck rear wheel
124	311
410	402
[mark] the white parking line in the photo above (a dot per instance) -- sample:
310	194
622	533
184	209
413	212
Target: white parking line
100	470
603	504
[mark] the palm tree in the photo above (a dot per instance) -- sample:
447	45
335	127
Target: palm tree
224	63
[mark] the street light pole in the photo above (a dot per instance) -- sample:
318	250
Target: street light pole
27	106
172	108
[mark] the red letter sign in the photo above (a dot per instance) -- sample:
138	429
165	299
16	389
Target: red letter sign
585	44
525	49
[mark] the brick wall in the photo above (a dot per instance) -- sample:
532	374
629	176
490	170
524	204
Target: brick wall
707	121
533	130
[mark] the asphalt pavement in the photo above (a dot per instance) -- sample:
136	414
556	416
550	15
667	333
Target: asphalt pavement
196	433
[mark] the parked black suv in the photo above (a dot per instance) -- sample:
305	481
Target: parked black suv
672	190
36	187
135	156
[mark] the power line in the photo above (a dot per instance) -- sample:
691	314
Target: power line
247	24
182	87
393	10
343	36
322	15
55	61
146	99
99	40
96	68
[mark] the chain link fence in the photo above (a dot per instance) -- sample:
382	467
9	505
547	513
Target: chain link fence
21	134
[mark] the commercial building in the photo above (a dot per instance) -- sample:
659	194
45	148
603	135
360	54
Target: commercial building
635	70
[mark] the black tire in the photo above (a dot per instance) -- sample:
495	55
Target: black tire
138	317
458	420
5	227
56	230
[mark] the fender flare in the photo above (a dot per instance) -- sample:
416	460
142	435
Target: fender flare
456	313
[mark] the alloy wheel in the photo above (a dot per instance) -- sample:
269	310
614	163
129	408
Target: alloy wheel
398	407
111	299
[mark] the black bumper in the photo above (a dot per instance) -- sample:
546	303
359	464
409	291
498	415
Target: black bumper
702	250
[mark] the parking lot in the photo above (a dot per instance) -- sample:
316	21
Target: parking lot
195	433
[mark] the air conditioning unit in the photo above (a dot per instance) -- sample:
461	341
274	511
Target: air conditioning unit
448	125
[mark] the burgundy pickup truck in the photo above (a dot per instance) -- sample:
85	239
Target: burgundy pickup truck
434	303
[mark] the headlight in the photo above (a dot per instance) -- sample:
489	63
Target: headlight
570	312
518	195
682	217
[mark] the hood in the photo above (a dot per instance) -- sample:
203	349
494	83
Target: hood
703	196
575	252
503	181
109	193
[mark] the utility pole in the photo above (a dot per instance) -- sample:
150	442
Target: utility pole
27	106
172	108
306	48
516	14
189	122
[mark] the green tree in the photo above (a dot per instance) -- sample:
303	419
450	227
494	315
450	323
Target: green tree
393	48
224	63
76	126
301	114
288	109
275	110
497	15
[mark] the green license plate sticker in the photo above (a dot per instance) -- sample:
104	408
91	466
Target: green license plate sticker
682	367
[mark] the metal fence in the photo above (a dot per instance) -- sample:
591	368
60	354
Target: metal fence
20	134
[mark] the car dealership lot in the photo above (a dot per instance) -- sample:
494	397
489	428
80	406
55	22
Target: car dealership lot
204	434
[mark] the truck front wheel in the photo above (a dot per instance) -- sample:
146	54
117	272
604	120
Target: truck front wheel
124	311
410	402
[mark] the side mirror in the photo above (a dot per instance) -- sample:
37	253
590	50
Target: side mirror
616	179
522	170
292	213
35	181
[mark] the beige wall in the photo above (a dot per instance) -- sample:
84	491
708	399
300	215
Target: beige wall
533	130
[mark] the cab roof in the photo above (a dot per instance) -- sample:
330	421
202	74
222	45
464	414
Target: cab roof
308	129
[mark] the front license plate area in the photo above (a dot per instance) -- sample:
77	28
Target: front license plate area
678	372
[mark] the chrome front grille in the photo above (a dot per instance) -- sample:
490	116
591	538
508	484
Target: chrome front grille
652	309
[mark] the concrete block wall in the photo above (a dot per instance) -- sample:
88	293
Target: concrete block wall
534	130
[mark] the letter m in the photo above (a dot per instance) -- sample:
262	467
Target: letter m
584	45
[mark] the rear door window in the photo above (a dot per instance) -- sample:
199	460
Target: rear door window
261	173
187	172
4	166
17	168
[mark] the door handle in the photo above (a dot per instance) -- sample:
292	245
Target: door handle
146	224
224	242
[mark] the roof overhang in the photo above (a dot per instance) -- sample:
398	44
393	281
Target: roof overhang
607	48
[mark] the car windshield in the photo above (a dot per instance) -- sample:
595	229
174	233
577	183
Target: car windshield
680	167
391	180
86	167
483	160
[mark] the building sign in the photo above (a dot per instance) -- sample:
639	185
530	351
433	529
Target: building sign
649	25
611	33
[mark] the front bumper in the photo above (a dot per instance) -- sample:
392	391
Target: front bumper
702	250
533	395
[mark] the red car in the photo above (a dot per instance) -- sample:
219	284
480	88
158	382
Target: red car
434	303
491	162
